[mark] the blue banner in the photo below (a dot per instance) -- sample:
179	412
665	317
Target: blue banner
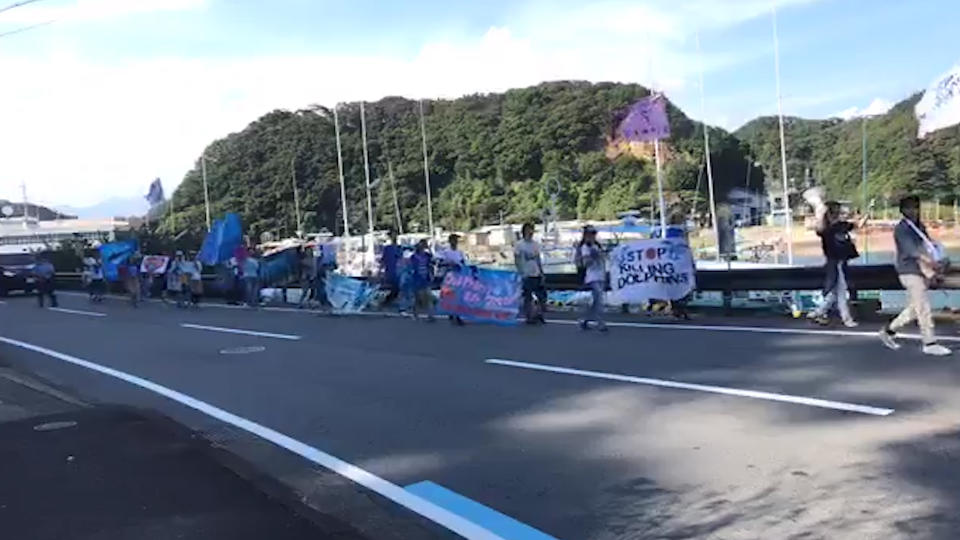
481	295
224	236
113	255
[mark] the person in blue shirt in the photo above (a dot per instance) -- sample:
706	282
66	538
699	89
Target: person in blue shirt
422	262
390	258
44	272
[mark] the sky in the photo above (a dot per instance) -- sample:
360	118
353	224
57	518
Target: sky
114	93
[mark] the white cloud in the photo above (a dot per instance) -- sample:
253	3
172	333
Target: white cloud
877	106
79	130
91	10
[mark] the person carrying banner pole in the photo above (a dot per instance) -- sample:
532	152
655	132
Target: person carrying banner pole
529	264
453	260
919	265
591	259
422	263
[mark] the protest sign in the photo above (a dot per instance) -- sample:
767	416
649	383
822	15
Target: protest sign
482	295
114	254
154	264
348	295
651	270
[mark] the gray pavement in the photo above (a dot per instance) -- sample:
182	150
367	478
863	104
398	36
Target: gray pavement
570	455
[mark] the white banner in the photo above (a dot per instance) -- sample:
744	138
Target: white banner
651	270
154	264
940	106
348	295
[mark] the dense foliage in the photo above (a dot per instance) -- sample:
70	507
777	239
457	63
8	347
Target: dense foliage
492	157
830	153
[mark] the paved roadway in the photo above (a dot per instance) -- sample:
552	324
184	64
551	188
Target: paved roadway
611	448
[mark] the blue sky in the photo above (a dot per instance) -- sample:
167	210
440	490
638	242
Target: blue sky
117	92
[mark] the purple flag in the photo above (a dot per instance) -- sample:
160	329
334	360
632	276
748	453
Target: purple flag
646	120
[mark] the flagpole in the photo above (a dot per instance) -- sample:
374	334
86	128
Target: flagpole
426	169
206	192
343	185
396	201
663	211
366	170
706	150
788	217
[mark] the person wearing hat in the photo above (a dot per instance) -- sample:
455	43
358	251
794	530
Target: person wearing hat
453	260
592	261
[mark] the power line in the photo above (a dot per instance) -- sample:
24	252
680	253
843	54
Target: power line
17	4
25	28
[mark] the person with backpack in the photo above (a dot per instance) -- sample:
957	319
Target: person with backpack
920	264
838	249
591	262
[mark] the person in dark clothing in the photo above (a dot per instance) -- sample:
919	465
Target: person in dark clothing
422	262
44	273
389	262
838	249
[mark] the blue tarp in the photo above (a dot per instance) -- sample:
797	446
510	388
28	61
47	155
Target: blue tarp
224	236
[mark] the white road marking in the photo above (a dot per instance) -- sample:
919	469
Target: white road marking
78	312
397	494
239	331
770	396
755	329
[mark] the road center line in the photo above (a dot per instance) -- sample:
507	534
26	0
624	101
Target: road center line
78	312
239	331
754	394
397	494
754	329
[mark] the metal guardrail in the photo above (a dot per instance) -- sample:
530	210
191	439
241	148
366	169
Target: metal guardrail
861	277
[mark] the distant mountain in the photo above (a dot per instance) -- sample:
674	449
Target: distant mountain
830	153
34	210
112	207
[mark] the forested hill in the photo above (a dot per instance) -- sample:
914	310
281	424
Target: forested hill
490	156
829	153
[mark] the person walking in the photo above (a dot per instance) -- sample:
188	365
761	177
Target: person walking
390	257
251	279
453	260
195	271
838	249
918	259
529	264
591	258
46	286
177	280
422	262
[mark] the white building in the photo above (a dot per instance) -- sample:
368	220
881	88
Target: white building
747	206
21	235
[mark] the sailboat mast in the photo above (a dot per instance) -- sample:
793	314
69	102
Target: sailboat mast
787	214
706	151
343	184
426	170
366	169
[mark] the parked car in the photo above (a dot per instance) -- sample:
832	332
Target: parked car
16	272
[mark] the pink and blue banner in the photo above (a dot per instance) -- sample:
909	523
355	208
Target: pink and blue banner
481	295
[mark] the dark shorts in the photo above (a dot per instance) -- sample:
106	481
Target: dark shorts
533	286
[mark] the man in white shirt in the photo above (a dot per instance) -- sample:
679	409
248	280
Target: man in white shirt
591	259
526	257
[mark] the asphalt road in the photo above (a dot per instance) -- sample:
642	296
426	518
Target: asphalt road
678	431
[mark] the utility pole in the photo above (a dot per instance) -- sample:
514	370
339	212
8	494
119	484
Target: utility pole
787	213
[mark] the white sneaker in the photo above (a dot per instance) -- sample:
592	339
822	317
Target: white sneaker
888	340
935	349
851	324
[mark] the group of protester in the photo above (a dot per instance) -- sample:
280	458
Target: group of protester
920	264
424	269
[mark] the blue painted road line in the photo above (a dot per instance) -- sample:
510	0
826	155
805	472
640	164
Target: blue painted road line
482	516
